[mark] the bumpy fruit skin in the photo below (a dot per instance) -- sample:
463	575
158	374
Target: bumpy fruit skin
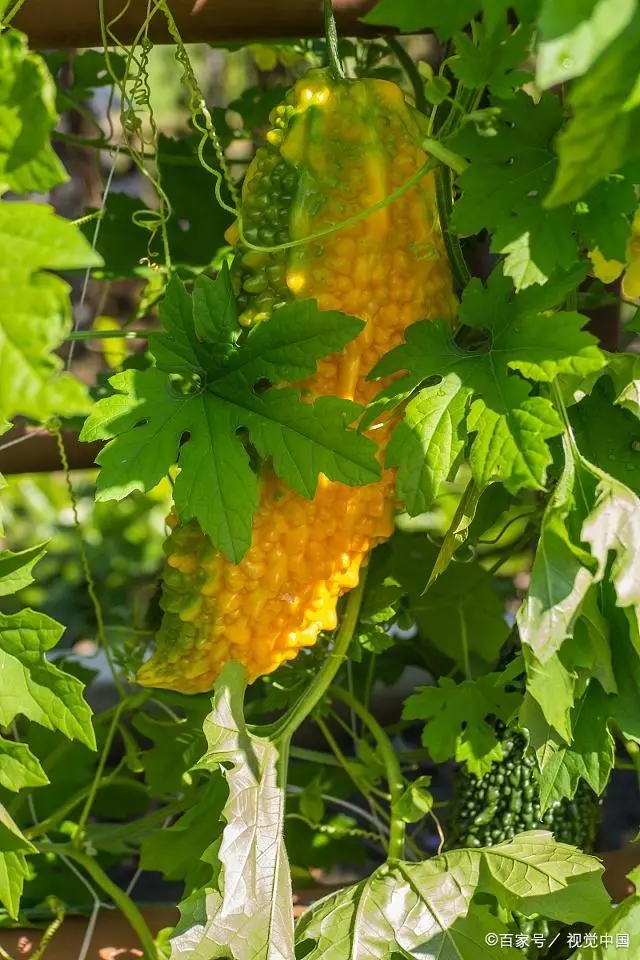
505	801
335	149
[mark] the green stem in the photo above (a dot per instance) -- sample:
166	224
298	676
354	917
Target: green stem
346	766
86	810
400	191
391	763
124	903
109	335
314	756
408	65
50	932
370	679
331	33
133	828
96	143
289	723
444	200
11	12
513	551
446	157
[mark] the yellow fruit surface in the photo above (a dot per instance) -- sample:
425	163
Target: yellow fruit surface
335	149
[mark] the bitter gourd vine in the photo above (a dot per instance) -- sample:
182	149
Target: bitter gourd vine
336	147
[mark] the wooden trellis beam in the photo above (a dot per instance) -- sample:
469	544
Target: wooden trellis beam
52	24
37	451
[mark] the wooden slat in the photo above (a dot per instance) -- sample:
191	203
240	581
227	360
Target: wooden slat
39	452
74	23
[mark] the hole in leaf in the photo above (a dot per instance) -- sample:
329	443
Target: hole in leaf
261	386
186	384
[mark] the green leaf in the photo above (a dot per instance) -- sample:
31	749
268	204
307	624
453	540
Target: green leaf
177	851
552	685
455	716
613	526
411	17
245	910
573	36
122	244
601	136
560	578
603	217
504	187
624	370
427	444
198	222
311	801
34	687
215	312
494	57
28	163
3	484
534	874
150	416
405	907
625	709
590	755
373	638
592	636
15	568
18	767
13	864
462	614
419	910
416	801
510	424
614	937
177	745
35	311
615	445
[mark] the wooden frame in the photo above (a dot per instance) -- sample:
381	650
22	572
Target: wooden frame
53	24
37	451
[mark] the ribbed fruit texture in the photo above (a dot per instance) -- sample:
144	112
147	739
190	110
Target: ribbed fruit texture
335	149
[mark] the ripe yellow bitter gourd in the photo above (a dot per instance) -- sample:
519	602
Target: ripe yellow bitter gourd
336	148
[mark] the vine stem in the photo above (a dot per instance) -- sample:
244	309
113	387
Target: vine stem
109	335
391	764
86	810
346	766
11	12
56	430
408	65
124	903
444	199
51	931
331	33
427	167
